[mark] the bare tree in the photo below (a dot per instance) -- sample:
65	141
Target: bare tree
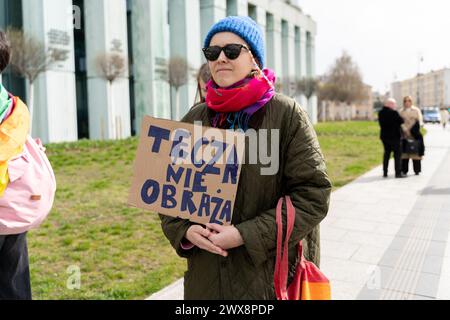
30	58
178	77
307	86
343	83
279	86
112	65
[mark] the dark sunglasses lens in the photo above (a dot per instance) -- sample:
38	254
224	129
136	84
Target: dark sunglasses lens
232	51
212	53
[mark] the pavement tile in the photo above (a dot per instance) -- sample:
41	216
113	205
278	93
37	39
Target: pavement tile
331	233
440	234
365	238
368	254
447	249
345	270
433	264
342	290
357	225
444	287
437	248
428	285
387	229
336	249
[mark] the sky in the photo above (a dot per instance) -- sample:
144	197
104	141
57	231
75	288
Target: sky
384	37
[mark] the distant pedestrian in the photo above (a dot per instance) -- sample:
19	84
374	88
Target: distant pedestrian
390	124
413	146
203	76
444	117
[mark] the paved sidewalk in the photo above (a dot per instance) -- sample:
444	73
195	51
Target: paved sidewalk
387	238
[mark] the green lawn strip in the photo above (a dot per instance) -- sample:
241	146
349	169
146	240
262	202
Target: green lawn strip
350	149
121	251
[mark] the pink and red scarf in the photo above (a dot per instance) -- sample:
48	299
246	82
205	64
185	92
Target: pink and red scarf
235	105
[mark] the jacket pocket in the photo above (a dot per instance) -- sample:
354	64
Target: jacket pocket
17	166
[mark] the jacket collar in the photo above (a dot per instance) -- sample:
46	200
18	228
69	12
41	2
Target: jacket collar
14	131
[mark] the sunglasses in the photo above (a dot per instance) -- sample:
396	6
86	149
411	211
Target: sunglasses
232	51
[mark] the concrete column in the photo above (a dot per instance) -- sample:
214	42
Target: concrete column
312	107
297	52
313	56
289	61
55	111
297	55
270	42
150	38
109	103
261	20
211	11
237	7
273	46
302	61
185	42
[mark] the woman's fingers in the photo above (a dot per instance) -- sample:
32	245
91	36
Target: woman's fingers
204	232
201	240
215	227
205	244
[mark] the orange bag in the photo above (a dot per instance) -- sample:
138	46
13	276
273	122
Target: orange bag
309	282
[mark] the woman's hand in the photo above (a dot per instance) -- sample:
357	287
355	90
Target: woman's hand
225	237
198	236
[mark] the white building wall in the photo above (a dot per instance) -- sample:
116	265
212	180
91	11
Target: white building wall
277	48
211	11
161	29
312	103
237	7
150	33
303	65
291	59
447	87
185	42
109	104
55	113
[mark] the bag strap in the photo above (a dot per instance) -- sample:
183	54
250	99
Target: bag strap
282	262
276	278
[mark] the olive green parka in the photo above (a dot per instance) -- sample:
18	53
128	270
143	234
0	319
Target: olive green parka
247	272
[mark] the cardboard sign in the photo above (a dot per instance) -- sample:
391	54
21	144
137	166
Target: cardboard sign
187	171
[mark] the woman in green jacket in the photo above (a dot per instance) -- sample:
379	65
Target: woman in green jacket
237	261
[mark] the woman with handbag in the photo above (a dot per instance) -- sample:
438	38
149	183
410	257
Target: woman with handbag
238	261
413	146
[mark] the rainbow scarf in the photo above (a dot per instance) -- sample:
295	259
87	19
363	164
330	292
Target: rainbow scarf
13	135
235	105
5	103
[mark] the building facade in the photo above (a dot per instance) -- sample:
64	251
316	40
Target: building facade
75	99
427	90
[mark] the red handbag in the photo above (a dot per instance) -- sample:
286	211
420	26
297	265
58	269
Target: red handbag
309	283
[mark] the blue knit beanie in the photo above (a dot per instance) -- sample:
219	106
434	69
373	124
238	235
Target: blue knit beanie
244	27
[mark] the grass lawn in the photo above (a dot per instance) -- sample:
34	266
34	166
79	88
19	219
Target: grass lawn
350	149
121	251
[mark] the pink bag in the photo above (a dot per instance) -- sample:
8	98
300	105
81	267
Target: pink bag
29	196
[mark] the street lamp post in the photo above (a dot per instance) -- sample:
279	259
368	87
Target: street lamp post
418	82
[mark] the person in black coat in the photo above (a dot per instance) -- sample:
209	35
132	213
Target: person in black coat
390	124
